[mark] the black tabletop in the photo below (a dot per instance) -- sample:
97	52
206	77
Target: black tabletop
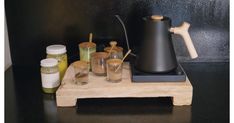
26	103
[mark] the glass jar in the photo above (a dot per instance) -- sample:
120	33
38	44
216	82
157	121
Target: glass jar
81	72
86	49
114	70
58	52
98	63
50	76
116	52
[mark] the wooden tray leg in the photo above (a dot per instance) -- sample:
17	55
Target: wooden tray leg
183	99
63	101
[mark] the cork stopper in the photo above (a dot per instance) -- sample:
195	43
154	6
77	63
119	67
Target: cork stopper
114	62
157	17
99	55
115	48
80	64
113	43
87	45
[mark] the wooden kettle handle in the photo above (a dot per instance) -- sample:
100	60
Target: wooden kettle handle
183	31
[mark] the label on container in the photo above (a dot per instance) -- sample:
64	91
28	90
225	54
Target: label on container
50	80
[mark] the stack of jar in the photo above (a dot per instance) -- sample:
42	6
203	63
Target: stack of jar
53	67
101	63
106	63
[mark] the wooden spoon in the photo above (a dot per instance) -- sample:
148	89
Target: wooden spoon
90	37
113	44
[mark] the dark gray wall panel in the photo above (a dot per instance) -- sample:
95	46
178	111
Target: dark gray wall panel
34	24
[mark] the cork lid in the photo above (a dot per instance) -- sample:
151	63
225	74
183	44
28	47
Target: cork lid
99	55
80	64
114	61
115	48
87	45
157	17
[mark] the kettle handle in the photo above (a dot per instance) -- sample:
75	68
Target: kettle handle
183	31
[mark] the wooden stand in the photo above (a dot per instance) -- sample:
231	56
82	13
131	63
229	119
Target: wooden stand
98	87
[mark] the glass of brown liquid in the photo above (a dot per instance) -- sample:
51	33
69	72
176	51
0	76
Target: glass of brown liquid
98	63
114	70
81	72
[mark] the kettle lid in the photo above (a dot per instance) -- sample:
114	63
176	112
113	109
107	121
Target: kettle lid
156	17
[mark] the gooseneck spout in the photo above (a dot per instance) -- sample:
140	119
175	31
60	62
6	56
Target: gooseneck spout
125	33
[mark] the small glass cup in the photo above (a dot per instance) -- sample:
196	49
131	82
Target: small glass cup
114	70
98	63
81	72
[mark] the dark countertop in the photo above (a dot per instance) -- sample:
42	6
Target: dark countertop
25	102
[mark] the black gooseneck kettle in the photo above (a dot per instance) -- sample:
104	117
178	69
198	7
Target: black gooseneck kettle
157	53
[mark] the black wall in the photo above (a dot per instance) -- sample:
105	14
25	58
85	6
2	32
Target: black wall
34	24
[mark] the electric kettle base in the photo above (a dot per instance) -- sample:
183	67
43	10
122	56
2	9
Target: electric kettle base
177	75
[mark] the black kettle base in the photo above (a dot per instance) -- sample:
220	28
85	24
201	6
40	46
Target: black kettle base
177	75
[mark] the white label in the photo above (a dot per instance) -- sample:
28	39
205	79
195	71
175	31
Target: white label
50	80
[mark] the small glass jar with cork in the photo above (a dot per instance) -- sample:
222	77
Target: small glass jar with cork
81	72
98	63
115	51
86	49
114	68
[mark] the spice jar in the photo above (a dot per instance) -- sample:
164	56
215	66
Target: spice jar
58	52
116	52
81	72
98	63
86	49
50	75
114	70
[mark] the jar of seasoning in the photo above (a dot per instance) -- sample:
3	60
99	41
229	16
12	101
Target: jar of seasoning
115	52
58	52
50	75
86	49
98	63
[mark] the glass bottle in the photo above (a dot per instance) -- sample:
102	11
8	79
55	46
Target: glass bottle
50	76
58	52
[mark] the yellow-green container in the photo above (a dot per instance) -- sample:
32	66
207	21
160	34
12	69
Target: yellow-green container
86	49
58	52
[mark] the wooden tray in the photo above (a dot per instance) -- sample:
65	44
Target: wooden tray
98	87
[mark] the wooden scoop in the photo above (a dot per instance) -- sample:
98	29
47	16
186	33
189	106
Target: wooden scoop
90	37
129	51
